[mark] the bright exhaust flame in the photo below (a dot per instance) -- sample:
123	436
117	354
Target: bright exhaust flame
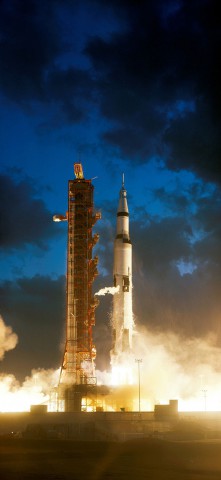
122	375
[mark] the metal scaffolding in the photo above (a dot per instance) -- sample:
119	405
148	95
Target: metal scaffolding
77	369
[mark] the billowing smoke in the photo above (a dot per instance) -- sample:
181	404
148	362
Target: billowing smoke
170	367
34	390
8	339
177	367
110	290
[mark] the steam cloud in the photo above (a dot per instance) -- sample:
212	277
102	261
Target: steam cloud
105	290
188	369
182	368
8	339
172	367
34	390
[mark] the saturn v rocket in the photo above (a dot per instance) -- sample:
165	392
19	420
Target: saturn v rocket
122	318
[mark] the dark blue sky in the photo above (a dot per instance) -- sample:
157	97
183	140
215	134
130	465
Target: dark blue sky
124	86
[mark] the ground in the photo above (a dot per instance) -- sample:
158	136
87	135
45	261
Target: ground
24	459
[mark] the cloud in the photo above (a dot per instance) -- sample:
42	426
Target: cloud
176	278
193	142
25	219
176	262
29	45
35	309
34	73
8	339
153	73
34	390
159	84
176	267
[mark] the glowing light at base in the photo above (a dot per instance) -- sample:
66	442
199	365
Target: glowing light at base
34	391
122	375
206	401
172	367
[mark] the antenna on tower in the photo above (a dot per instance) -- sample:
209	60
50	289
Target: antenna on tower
122	180
79	154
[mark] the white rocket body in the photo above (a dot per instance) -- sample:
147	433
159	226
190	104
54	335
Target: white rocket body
122	320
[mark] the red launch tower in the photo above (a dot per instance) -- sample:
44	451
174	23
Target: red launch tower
78	361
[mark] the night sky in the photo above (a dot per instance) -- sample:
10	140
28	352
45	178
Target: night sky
122	86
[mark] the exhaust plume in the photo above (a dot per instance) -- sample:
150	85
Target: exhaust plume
171	367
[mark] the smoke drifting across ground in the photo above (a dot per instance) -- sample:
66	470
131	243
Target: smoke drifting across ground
184	368
34	390
171	367
15	397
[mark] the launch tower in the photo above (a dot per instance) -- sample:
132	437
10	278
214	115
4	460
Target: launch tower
77	371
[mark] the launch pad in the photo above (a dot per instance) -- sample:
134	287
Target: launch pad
112	426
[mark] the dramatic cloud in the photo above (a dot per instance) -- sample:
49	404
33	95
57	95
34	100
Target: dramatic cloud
151	70
35	309
25	218
176	261
177	265
136	82
29	45
194	142
159	84
33	72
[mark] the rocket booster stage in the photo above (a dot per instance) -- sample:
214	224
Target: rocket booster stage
122	320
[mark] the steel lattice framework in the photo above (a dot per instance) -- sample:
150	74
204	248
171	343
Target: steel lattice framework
78	360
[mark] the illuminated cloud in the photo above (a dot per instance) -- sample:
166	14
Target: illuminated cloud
8	339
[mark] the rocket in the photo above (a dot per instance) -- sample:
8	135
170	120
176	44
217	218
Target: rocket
122	318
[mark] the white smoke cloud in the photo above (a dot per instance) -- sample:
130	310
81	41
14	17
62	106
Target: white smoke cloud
110	290
8	339
171	367
182	368
34	390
